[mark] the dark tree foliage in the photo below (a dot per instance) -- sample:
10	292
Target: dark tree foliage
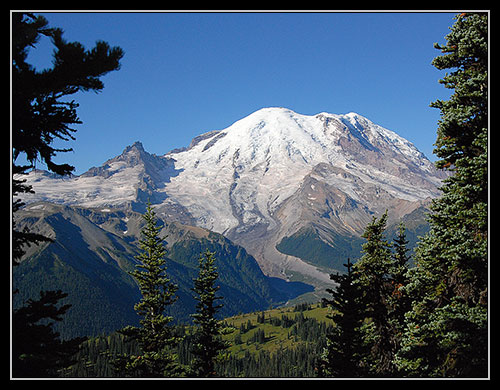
446	330
155	336
38	114
369	307
344	343
37	349
375	280
208	342
398	301
41	113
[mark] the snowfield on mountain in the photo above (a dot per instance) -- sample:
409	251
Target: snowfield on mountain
272	175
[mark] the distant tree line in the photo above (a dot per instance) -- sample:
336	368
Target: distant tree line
97	355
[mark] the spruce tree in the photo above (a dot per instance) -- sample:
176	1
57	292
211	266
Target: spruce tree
446	328
398	301
400	258
207	340
341	356
40	115
155	336
40	112
37	351
374	279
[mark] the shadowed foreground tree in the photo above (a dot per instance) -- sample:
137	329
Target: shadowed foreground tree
447	326
37	350
41	111
344	344
40	115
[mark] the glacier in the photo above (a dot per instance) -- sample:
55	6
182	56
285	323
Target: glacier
264	178
261	159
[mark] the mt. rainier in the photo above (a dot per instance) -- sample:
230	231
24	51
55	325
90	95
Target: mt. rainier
274	179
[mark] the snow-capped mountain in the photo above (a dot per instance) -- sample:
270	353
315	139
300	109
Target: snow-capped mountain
270	176
252	167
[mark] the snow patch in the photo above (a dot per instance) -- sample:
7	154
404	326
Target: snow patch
244	173
37	207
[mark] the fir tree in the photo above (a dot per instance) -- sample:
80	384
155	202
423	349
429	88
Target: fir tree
375	281
341	355
37	349
155	336
39	115
446	328
398	301
208	342
400	257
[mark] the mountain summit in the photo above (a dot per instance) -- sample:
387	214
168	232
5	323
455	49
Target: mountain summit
262	159
267	182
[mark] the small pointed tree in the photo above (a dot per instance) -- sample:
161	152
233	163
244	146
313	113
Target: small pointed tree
340	358
208	342
399	301
374	269
155	336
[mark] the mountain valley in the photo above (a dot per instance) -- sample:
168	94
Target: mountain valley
283	199
94	248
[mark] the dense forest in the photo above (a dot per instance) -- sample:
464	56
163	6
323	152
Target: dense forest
391	314
284	342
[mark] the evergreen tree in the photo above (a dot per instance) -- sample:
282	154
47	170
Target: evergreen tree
341	355
39	116
446	329
37	350
208	342
398	301
374	269
155	336
400	256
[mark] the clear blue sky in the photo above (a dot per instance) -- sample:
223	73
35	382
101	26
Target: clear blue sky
187	73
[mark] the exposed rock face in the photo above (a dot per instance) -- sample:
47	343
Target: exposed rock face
271	175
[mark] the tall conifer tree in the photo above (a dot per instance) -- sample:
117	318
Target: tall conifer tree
374	279
154	336
342	353
208	342
398	301
446	330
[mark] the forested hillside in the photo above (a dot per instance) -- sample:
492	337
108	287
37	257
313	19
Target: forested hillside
90	258
286	342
